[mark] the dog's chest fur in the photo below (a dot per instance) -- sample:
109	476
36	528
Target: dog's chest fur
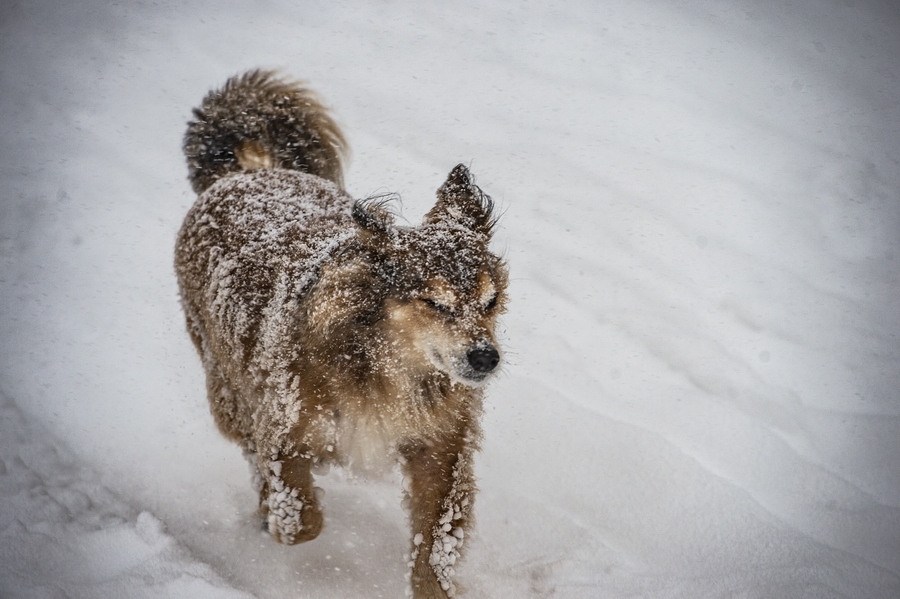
368	430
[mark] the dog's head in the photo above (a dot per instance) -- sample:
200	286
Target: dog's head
443	287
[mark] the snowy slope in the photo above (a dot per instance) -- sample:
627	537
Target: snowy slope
67	535
703	227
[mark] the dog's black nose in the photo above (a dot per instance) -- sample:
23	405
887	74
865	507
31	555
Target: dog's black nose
484	359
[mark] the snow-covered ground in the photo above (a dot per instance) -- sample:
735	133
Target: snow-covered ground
702	220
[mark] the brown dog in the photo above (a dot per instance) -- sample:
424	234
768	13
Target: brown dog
330	335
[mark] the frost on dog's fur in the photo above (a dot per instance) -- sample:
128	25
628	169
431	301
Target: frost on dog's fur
330	335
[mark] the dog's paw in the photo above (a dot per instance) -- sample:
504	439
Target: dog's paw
292	520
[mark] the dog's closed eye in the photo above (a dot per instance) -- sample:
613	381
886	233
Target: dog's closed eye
492	303
435	305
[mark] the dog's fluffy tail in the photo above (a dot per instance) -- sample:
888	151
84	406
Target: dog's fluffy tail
257	120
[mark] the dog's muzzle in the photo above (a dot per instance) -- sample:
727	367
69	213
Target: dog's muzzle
483	359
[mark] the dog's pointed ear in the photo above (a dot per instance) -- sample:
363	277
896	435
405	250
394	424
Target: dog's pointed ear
462	203
373	219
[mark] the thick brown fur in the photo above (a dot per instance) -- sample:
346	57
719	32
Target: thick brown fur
330	335
285	119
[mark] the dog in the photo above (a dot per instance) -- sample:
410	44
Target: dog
329	334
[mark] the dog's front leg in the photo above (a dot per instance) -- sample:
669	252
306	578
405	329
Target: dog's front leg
294	514
438	479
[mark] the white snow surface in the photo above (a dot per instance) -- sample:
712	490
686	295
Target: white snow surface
702	221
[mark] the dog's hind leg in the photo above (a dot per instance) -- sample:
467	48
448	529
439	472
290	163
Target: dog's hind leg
224	402
289	497
441	490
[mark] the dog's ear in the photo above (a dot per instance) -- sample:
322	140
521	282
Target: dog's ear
373	219
462	203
